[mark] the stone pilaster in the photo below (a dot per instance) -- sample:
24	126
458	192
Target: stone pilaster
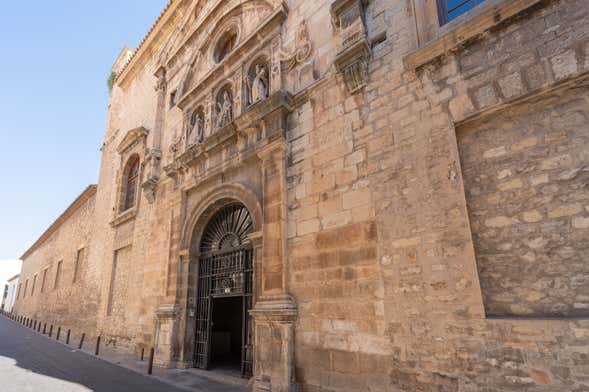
275	311
154	152
166	329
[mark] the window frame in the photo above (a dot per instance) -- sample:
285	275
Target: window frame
57	274
435	39
444	13
130	182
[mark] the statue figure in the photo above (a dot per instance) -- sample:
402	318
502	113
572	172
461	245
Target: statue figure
196	129
200	128
259	85
224	115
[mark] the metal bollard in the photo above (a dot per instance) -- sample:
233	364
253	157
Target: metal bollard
45	329
58	333
97	346
39	327
150	366
81	341
67	337
35	325
142	353
51	330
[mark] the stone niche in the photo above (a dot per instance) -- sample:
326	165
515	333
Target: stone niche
353	48
526	171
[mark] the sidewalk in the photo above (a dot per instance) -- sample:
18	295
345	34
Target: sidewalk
187	379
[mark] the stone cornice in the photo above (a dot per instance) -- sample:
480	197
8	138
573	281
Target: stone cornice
151	35
131	138
81	200
451	36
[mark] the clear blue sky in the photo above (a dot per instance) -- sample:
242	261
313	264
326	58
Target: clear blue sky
55	58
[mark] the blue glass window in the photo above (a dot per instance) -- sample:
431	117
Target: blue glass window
451	9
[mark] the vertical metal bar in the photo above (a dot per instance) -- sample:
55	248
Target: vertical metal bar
150	366
142	353
51	330
97	346
44	328
67	337
58	333
81	341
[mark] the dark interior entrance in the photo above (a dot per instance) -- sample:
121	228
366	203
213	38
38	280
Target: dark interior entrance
227	334
223	338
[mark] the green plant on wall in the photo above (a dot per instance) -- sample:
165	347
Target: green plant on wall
111	81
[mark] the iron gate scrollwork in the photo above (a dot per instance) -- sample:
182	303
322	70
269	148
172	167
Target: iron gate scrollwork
225	269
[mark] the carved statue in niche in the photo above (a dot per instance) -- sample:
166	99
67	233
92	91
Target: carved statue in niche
196	128
302	50
224	110
259	84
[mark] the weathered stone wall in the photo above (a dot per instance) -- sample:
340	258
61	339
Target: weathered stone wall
69	304
525	171
381	256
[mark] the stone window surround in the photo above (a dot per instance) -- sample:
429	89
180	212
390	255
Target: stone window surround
133	144
434	40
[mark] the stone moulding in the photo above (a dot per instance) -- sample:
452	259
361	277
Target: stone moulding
451	37
278	309
131	138
124	217
272	111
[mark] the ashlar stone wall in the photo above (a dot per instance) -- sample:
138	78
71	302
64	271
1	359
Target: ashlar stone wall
526	173
58	299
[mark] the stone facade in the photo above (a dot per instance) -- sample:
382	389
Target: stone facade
416	194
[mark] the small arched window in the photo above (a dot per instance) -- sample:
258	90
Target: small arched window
130	184
225	45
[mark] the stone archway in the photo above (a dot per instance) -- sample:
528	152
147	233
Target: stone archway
194	236
223	336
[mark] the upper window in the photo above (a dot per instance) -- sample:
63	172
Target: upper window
225	45
451	9
130	184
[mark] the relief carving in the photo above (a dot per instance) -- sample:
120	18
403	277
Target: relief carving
302	50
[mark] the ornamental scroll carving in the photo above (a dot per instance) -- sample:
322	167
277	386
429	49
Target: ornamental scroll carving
302	50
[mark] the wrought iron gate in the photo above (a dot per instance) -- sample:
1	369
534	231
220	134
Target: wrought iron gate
225	269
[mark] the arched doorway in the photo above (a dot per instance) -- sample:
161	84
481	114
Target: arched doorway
224	294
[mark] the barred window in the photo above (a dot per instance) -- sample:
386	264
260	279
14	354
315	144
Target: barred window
451	9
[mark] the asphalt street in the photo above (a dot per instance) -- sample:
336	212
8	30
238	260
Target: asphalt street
31	362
